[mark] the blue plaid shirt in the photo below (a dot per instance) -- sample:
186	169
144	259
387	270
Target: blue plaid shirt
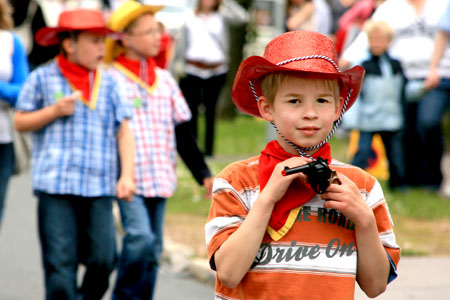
77	154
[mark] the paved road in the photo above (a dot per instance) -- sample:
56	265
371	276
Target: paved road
20	269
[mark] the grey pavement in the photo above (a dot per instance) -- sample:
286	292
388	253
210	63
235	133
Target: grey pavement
181	276
21	275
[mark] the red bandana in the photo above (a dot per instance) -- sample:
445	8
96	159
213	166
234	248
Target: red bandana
77	76
135	67
297	193
165	51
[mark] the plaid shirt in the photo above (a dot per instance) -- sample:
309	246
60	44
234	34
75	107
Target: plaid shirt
77	154
153	125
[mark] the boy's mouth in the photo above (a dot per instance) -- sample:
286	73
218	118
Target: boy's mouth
309	130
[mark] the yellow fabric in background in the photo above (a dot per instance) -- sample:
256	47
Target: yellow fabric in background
378	165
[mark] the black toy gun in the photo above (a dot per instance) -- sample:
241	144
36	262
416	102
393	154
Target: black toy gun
320	176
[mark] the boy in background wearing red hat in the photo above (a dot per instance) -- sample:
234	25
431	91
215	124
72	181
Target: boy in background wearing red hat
272	236
80	128
160	127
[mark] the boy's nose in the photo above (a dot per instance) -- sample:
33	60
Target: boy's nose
309	111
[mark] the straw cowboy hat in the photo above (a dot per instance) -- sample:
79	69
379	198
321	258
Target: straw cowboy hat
79	19
120	19
303	52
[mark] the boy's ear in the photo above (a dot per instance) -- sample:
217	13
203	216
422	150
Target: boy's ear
68	45
339	107
125	40
265	108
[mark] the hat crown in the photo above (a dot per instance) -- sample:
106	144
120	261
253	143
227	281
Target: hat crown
281	49
129	11
81	19
309	53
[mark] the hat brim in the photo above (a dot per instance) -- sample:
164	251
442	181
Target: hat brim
254	67
48	36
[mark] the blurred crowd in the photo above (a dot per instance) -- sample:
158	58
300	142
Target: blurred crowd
402	44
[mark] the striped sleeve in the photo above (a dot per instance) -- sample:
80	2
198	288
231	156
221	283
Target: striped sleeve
234	192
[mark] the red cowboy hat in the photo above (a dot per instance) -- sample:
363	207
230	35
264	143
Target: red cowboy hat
307	53
79	19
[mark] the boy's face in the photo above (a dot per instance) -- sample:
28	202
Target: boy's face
87	50
144	37
304	113
378	42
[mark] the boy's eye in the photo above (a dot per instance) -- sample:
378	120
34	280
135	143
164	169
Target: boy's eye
293	101
322	100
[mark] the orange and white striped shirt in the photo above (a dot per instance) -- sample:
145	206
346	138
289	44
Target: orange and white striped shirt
316	259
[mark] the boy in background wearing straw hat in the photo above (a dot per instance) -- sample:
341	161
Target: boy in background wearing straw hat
80	128
160	126
271	234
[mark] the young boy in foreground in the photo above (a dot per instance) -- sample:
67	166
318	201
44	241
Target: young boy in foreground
271	236
80	129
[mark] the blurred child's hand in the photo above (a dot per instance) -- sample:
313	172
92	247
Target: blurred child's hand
125	188
346	198
208	185
278	184
66	106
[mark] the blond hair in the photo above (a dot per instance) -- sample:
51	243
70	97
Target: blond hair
380	26
271	82
6	20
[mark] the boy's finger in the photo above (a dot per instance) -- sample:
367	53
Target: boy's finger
75	94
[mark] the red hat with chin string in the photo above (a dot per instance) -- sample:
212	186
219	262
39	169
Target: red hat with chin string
305	53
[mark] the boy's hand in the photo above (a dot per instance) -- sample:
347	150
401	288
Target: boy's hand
208	185
346	198
125	188
278	184
66	106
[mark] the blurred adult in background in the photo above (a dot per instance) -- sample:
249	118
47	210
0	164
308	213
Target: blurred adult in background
438	80
338	9
313	15
351	22
39	54
13	72
440	44
415	24
300	15
204	47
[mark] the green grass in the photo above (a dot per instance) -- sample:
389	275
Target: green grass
418	204
246	136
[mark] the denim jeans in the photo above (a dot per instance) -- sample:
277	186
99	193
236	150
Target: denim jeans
429	125
6	170
137	270
75	230
393	143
